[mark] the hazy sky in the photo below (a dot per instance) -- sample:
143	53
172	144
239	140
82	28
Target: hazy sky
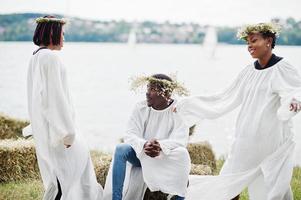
215	12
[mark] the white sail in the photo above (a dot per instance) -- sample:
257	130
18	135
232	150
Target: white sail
210	41
132	39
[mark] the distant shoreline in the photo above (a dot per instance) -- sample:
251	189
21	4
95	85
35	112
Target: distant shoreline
117	43
20	27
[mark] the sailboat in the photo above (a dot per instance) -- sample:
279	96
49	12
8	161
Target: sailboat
210	41
132	38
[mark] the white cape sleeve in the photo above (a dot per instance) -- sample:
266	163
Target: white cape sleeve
194	109
287	84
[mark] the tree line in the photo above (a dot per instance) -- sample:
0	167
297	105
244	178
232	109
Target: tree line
20	27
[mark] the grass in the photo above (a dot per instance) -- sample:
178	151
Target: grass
33	189
21	190
295	182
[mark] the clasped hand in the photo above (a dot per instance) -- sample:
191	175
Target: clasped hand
152	148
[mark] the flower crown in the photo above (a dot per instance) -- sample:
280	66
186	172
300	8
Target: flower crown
166	86
258	28
49	19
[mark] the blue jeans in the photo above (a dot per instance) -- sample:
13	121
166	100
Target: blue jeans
124	153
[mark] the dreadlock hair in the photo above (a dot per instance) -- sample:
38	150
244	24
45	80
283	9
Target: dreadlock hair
161	77
159	85
271	35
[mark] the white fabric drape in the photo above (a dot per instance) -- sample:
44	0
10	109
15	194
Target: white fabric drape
52	125
263	144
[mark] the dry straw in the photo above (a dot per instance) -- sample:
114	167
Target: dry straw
101	163
197	169
11	128
17	160
201	153
202	158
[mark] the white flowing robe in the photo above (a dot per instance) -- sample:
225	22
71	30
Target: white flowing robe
52	124
261	156
169	171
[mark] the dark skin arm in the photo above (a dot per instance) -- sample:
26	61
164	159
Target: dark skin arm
152	148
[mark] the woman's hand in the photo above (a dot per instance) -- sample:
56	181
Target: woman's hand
295	105
68	140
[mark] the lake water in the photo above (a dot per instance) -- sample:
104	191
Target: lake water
99	81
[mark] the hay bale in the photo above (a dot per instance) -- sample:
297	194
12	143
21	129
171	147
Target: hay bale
202	157
101	162
17	160
200	170
201	153
11	128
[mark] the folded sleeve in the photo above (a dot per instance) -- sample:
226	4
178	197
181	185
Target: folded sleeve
287	84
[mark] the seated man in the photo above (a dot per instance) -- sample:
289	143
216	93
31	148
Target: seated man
155	143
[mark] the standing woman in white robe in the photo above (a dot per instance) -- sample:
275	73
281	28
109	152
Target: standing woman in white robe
261	158
64	161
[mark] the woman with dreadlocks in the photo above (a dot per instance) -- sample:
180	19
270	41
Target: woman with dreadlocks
261	158
64	161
